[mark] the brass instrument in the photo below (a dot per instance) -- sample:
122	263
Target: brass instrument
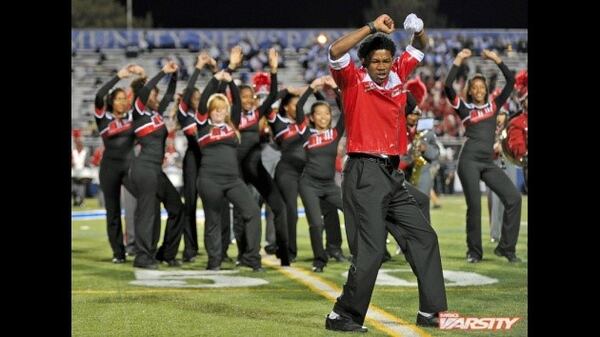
418	160
506	152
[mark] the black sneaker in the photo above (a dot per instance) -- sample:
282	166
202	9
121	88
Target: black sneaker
270	249
213	268
189	259
172	263
118	260
433	321
152	266
317	269
472	258
338	256
512	257
343	324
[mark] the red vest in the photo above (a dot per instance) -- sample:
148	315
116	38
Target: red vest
374	115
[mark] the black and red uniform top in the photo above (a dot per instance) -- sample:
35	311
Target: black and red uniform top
289	134
149	126
479	120
117	133
320	146
249	128
218	142
186	115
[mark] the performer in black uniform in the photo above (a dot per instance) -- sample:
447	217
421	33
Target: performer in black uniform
288	135
249	157
151	185
476	158
186	111
116	128
318	178
219	175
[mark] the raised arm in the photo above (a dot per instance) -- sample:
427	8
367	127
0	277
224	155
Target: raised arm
103	91
510	78
211	88
236	105
272	97
201	61
414	25
168	96
168	68
341	46
235	60
312	88
411	103
448	89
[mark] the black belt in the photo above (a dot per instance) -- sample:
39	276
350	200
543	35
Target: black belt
389	162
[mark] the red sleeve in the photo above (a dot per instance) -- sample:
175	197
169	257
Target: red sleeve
516	140
407	62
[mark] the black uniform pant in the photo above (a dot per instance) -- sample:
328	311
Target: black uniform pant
422	200
287	177
191	164
213	191
152	186
373	193
114	173
312	192
470	171
255	173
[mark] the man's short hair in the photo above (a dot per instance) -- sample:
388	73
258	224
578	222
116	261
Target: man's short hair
376	42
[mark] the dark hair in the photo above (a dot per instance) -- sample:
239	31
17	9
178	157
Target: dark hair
111	97
138	84
285	101
375	42
246	86
470	82
319	103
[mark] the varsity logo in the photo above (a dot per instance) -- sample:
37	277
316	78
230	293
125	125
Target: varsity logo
452	320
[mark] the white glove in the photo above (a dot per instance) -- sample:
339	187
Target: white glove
412	24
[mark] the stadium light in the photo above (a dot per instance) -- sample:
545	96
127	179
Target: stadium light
322	38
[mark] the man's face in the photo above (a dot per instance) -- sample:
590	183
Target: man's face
379	63
411	119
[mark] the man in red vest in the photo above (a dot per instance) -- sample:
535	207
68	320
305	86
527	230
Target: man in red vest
373	188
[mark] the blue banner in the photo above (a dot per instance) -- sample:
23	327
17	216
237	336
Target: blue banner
86	39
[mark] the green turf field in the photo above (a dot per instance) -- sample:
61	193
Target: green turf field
104	303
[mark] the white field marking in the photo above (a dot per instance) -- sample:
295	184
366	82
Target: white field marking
177	279
378	317
99	214
84	228
452	278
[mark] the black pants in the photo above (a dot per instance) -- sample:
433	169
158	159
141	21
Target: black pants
114	173
373	193
255	173
191	164
213	191
287	177
422	200
470	171
312	192
151	186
